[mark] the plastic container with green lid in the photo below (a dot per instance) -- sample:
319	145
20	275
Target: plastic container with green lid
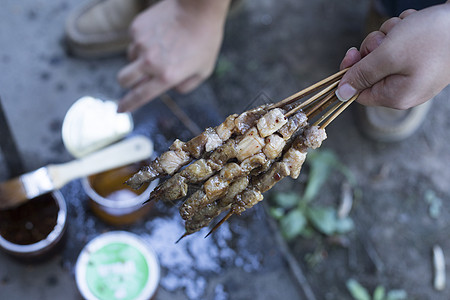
117	265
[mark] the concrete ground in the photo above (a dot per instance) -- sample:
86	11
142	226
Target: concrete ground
271	50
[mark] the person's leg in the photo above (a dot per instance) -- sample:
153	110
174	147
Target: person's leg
100	27
395	7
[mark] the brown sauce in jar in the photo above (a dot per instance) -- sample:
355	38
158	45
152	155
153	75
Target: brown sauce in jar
31	222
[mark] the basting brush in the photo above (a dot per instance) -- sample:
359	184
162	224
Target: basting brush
52	177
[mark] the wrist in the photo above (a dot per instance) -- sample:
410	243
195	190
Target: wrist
216	8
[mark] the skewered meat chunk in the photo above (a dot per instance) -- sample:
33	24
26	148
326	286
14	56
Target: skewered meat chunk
171	160
231	171
172	189
314	137
212	140
177	145
188	208
224	153
271	122
226	129
266	181
251	144
299	120
215	187
197	207
247	119
253	162
235	188
196	146
247	199
219	185
274	146
145	174
201	218
198	171
294	159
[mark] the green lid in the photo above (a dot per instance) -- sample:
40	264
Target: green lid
117	265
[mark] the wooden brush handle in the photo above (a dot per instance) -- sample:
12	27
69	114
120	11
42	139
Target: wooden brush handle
117	155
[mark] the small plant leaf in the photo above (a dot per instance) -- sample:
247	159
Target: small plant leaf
379	293
435	204
396	295
323	219
286	200
344	225
293	224
357	291
277	212
321	163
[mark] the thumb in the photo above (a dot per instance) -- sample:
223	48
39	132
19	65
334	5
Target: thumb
364	74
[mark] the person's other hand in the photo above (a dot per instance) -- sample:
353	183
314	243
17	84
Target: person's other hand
175	44
404	64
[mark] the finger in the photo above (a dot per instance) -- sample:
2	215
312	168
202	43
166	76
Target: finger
132	74
371	42
132	52
351	57
406	13
389	24
394	91
189	84
143	93
364	74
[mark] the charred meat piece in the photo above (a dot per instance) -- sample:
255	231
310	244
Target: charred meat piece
197	171
251	144
224	153
253	162
294	160
191	205
247	119
247	199
274	146
170	161
271	122
172	189
314	136
266	181
212	140
297	121
227	128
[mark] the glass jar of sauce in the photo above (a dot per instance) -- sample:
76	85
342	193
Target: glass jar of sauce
34	230
115	202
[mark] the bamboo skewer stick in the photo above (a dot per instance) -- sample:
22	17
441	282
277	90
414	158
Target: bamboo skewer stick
344	106
313	98
305	92
229	214
328	113
322	104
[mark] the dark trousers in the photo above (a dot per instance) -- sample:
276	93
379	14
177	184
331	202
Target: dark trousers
395	7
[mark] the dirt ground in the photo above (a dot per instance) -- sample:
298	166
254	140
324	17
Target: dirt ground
271	51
